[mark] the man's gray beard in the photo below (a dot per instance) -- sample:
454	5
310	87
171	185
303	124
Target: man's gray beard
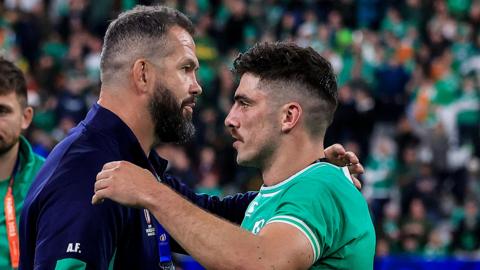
170	124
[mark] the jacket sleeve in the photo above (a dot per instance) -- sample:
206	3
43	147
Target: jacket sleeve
69	232
231	208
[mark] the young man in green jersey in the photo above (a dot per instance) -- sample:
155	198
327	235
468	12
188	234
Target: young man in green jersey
307	215
18	163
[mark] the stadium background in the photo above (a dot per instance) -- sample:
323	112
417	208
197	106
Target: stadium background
409	102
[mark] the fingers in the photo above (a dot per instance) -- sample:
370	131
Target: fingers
337	155
351	158
100	189
98	197
336	150
357	182
356	169
102	184
104	174
111	165
103	181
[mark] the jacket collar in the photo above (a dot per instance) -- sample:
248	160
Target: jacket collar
109	124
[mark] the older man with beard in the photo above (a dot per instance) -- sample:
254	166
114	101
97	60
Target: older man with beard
148	93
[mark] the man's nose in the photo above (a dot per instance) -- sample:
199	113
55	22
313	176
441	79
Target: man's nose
195	89
231	120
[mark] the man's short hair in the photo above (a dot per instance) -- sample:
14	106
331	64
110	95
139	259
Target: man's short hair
138	33
290	71
12	80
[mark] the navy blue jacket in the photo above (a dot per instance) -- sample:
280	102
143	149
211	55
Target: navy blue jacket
58	220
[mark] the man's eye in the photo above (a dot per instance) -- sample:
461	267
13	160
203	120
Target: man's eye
243	104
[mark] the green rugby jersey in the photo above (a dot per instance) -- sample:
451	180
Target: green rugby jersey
322	202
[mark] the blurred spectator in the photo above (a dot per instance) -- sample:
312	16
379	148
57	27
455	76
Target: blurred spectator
208	173
465	240
436	245
379	175
179	163
391	81
18	163
415	229
344	120
390	226
468	115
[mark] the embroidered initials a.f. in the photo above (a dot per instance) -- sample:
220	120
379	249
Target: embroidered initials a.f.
74	248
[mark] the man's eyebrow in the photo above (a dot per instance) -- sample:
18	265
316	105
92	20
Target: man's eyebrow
241	97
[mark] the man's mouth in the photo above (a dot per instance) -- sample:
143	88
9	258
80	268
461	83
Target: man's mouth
236	139
189	104
189	108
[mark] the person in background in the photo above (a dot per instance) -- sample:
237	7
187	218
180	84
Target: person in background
18	163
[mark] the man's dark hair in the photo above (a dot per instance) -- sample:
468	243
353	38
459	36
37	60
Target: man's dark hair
138	33
295	72
12	80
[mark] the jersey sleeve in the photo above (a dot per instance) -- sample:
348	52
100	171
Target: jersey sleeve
71	232
308	206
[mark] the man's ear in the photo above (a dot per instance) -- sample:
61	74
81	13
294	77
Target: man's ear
27	117
141	75
291	113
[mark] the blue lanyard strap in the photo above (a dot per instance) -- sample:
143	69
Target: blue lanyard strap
163	241
163	244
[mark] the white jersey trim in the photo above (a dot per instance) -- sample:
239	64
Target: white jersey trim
347	173
270	188
314	244
270	194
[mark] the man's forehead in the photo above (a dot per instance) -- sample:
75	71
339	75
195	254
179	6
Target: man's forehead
8	95
181	36
249	79
248	82
249	86
9	99
181	42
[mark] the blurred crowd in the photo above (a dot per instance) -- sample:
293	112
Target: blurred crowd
409	100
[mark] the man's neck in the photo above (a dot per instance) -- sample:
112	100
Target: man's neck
132	117
289	160
7	162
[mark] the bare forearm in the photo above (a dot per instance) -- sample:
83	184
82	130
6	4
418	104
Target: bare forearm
215	243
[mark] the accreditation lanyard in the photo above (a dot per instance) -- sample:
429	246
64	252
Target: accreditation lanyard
10	220
163	242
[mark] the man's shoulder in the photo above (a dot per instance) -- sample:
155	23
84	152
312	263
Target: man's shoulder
31	161
326	200
74	163
325	181
82	145
328	190
321	176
